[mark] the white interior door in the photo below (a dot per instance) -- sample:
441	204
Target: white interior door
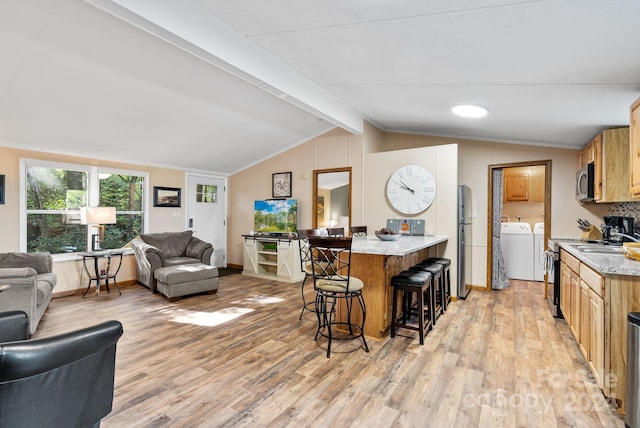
207	213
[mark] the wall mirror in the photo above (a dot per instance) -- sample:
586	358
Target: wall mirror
332	196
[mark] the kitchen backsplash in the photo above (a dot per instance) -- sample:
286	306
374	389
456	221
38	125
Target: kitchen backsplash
627	209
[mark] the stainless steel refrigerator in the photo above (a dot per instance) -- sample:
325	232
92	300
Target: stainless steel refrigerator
464	241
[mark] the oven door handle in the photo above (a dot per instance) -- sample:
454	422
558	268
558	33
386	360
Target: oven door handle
549	261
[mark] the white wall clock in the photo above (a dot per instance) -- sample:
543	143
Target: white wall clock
411	189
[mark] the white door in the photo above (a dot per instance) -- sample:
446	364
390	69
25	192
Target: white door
207	213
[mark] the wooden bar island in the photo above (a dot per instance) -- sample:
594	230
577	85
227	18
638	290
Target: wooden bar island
375	262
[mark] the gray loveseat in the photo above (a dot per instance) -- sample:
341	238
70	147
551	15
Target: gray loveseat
157	250
32	280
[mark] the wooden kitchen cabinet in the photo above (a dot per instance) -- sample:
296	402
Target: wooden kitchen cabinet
595	309
582	303
596	337
634	146
587	154
524	184
597	169
536	183
585	320
609	152
516	187
575	305
570	279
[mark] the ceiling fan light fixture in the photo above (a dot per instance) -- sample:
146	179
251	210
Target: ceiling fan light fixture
471	111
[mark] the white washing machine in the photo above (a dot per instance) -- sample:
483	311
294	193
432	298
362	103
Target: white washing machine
538	252
517	249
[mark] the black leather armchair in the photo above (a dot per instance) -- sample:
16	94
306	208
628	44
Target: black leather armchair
60	381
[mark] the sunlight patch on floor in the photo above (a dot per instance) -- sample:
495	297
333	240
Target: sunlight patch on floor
209	319
260	299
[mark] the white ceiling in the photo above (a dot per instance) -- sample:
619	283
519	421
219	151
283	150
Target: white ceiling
219	85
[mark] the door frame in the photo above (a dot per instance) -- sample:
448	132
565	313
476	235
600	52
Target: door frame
547	209
189	192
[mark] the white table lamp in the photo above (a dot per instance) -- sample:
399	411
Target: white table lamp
98	216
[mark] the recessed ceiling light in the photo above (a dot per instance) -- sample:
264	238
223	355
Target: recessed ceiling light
470	111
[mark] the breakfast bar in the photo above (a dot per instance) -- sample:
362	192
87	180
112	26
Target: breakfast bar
375	262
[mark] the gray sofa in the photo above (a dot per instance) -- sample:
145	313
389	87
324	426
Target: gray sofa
32	280
158	250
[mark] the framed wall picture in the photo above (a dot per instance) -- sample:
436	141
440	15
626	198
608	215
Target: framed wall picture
166	196
2	189
281	185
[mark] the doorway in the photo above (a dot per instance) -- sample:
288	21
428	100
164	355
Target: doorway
207	213
495	199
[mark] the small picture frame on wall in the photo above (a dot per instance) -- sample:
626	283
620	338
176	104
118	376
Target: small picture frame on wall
281	185
166	196
1	189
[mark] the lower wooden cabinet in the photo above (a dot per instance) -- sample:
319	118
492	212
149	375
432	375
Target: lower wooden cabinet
596	337
585	320
582	303
595	307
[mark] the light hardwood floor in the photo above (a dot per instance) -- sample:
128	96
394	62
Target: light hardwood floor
498	359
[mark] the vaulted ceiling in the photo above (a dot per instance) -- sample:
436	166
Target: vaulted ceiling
218	85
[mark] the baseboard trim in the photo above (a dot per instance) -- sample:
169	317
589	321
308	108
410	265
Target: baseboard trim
121	284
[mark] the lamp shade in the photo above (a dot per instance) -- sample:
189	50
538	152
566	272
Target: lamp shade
98	215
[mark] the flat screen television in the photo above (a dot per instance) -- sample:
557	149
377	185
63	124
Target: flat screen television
275	216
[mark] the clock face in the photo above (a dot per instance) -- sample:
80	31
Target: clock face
411	189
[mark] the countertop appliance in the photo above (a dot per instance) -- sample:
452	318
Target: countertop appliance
585	183
552	268
464	241
617	224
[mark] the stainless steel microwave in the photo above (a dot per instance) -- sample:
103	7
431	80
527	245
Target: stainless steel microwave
585	183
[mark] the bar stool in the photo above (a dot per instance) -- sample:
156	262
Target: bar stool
409	282
446	264
358	231
437	288
335	231
332	280
305	264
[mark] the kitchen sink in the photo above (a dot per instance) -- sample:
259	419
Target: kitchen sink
597	249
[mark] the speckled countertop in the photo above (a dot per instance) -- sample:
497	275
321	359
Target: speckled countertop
606	264
403	246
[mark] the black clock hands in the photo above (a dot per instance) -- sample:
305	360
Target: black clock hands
404	186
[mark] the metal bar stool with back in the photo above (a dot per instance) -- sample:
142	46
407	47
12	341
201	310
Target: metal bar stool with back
336	291
305	263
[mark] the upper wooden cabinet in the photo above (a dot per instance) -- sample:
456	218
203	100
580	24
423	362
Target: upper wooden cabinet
634	155
516	187
587	155
609	153
524	184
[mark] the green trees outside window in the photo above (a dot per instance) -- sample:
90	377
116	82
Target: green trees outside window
53	200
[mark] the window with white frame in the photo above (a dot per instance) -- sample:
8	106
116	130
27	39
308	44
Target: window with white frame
55	192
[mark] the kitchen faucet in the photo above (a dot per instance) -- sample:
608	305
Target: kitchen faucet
612	233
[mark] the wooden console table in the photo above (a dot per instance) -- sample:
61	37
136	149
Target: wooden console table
272	257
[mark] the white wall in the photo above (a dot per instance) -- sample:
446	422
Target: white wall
440	217
474	159
69	271
335	149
